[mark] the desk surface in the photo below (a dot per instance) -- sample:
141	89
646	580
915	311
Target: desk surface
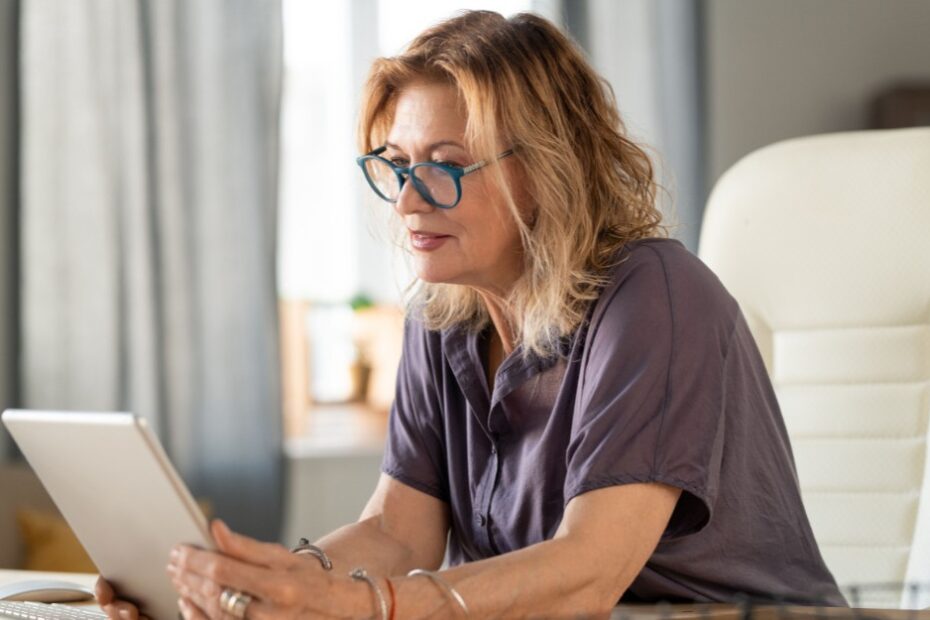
735	612
9	576
84	579
629	612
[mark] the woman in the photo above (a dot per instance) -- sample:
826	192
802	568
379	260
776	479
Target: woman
580	410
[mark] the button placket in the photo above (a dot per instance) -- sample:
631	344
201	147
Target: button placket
495	469
483	505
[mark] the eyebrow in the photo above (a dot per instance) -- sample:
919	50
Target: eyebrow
430	147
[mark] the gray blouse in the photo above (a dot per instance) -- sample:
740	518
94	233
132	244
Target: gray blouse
662	383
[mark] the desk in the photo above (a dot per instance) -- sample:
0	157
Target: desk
629	612
84	579
735	612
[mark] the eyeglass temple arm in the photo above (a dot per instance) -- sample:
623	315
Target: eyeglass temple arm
484	162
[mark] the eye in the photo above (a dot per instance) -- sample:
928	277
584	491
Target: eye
452	164
400	162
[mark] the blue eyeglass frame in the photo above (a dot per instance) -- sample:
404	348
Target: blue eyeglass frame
403	173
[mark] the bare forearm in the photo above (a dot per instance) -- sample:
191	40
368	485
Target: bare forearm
605	538
552	578
366	544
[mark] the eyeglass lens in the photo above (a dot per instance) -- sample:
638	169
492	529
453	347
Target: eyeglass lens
433	182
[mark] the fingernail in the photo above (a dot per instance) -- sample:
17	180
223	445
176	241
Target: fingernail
170	569
124	614
175	553
222	525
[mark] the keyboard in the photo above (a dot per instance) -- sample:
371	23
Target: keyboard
47	611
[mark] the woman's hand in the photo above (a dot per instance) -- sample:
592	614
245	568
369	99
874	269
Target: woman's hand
281	584
113	607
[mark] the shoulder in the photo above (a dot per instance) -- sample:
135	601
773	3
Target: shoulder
659	285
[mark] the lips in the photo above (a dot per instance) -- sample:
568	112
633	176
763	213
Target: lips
426	233
426	240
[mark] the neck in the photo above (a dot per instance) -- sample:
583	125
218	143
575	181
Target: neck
501	319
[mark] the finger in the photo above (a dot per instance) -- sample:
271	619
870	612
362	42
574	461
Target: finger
260	610
204	596
103	592
220	569
111	612
248	549
121	610
190	611
198	591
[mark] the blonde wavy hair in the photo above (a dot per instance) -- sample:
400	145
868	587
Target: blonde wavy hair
525	84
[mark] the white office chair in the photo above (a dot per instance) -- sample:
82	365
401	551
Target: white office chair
825	243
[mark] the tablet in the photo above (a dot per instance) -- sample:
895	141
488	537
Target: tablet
113	483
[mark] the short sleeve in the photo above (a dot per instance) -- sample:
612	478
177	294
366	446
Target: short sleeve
414	450
650	405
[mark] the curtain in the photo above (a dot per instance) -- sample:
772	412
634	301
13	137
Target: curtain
148	230
651	52
9	113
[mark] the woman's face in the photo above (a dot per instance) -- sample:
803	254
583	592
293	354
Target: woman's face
477	242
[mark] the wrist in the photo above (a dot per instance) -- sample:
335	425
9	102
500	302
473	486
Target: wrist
305	548
350	598
378	589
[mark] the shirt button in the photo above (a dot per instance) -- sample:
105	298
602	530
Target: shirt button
493	449
480	520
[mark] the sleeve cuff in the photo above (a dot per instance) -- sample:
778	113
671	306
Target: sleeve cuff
419	485
692	512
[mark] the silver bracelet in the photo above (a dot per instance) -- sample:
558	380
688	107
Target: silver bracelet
304	547
442	583
362	575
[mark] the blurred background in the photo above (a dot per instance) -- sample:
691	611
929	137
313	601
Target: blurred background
184	233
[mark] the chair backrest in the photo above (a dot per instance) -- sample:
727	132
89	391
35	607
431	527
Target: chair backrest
825	243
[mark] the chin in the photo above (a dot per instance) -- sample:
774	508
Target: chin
434	277
434	272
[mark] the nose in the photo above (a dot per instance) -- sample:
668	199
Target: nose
410	201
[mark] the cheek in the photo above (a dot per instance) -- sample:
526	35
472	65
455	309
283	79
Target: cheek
488	234
491	237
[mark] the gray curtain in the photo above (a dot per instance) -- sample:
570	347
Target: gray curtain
682	97
148	230
9	113
651	52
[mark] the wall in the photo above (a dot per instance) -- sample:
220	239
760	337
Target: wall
791	68
327	490
650	53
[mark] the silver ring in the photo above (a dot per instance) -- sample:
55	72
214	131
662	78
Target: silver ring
234	602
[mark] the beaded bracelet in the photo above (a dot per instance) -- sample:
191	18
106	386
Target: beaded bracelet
442	583
304	547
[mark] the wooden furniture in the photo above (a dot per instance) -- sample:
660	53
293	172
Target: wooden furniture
905	105
19	488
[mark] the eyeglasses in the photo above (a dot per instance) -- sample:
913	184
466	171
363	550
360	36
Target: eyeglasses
439	184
